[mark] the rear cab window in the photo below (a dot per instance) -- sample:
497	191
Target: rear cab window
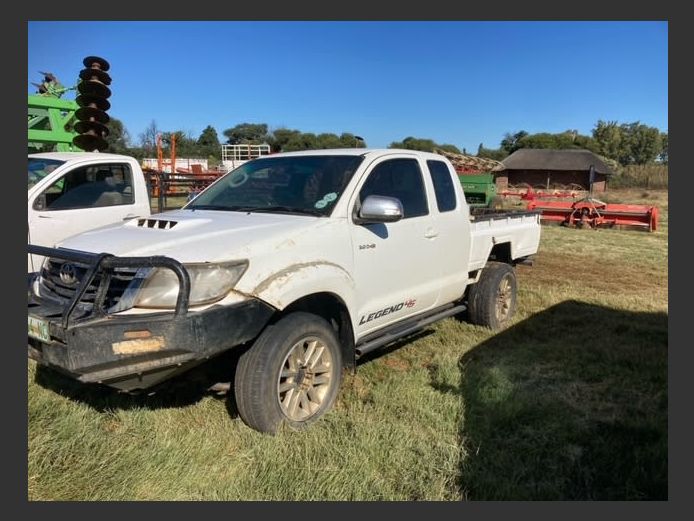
443	185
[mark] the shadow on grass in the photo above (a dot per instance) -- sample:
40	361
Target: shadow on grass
182	390
570	404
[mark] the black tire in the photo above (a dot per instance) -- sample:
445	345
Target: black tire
492	300
273	388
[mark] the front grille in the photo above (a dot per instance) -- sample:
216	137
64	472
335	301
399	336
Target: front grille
53	287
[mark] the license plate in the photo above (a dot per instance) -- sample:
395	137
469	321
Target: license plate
38	329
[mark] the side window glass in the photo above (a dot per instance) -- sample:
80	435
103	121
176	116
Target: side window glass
402	179
443	185
92	186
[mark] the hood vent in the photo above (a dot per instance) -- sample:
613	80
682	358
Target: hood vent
156	223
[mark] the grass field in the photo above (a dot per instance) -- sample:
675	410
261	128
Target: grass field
569	402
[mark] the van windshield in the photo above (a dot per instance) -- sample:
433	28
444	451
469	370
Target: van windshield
40	168
309	185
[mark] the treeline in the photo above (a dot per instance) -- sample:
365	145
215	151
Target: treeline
205	146
622	144
288	140
208	146
619	144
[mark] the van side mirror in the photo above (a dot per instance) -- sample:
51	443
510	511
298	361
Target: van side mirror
40	202
379	209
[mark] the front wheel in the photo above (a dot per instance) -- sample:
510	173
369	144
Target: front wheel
492	300
291	374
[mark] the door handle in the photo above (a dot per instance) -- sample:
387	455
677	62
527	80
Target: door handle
431	233
44	216
130	216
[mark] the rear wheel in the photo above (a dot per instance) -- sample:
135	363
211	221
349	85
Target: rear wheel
290	375
492	300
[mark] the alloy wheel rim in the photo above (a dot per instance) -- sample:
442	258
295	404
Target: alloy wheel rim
305	379
504	299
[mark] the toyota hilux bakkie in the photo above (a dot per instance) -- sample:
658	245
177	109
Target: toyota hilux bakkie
303	261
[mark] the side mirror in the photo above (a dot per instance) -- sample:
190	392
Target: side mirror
379	209
40	202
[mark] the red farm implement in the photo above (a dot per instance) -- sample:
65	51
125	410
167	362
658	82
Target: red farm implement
593	213
583	210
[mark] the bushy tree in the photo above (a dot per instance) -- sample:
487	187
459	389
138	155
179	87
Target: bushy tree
247	134
608	136
280	137
426	145
664	149
643	143
491	153
286	140
511	142
208	143
186	144
118	138
628	143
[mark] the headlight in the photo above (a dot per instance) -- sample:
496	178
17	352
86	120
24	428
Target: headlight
208	283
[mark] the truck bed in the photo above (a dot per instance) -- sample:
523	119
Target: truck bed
519	228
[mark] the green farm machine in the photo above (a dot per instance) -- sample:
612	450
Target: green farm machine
477	176
61	125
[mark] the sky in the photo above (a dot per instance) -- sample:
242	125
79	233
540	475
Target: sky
461	83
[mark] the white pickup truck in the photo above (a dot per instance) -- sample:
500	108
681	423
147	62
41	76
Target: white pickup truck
304	261
72	192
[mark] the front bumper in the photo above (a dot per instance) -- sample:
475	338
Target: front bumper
137	351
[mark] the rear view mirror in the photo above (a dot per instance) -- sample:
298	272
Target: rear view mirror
40	202
379	209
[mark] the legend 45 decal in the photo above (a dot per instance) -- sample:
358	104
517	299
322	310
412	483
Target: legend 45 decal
387	311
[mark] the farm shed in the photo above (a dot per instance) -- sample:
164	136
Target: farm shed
546	168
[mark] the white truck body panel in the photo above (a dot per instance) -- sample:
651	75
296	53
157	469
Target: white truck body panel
520	231
421	262
49	226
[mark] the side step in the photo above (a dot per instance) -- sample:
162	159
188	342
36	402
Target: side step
402	329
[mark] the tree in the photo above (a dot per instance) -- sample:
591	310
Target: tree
510	142
301	141
208	143
664	149
247	134
629	143
186	144
643	143
329	140
451	148
426	145
608	138
208	137
148	139
585	142
280	137
118	138
490	153
349	140
285	139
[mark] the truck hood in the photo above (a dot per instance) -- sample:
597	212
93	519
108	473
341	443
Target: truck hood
194	236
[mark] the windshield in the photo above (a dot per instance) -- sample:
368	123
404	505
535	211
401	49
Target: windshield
40	168
297	184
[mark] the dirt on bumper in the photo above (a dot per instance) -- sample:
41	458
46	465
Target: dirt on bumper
131	352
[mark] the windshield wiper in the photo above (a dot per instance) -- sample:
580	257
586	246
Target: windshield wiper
211	207
289	209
